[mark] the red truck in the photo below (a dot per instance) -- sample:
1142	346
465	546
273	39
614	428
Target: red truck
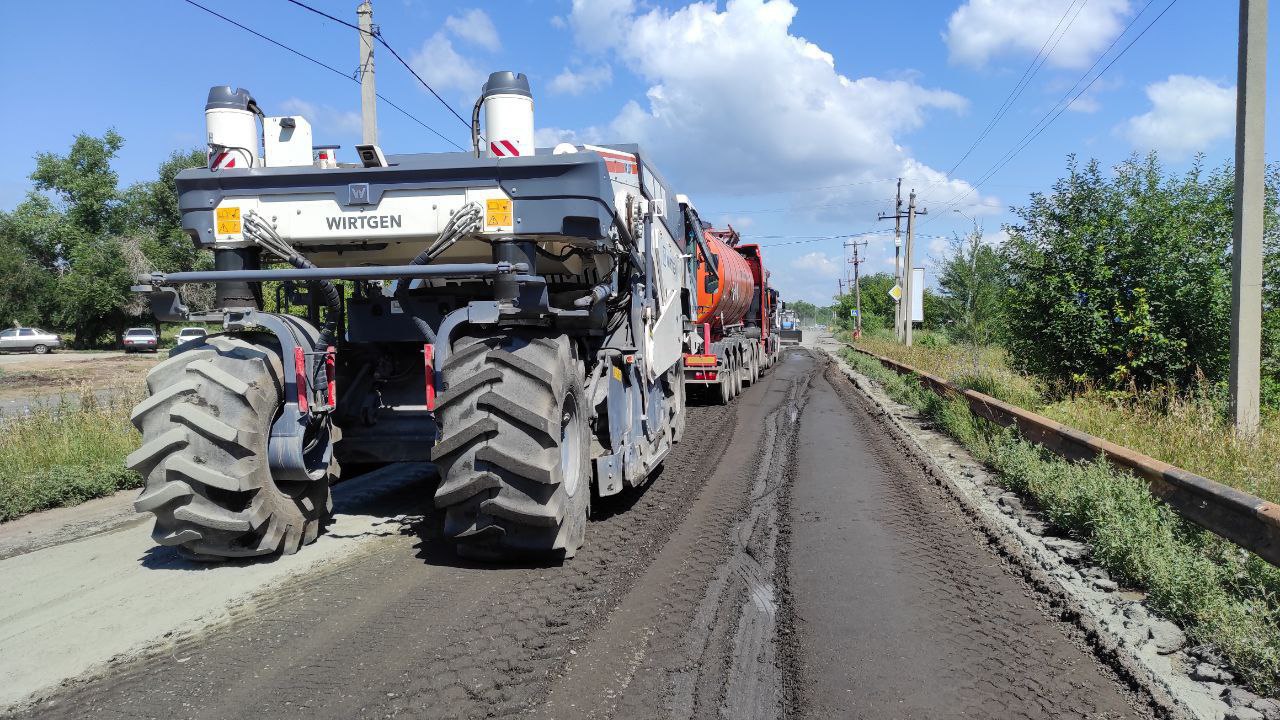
735	340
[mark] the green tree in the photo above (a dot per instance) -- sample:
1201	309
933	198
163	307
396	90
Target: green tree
153	206
877	306
76	242
972	280
1125	280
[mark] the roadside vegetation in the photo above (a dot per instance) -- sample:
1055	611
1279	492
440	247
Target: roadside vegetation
1222	596
1106	307
68	451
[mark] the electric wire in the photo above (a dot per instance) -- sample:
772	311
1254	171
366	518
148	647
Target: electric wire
377	35
1033	68
324	65
1060	107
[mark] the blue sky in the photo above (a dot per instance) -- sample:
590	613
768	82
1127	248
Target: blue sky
787	118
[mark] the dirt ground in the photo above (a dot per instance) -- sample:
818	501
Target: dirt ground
786	562
27	379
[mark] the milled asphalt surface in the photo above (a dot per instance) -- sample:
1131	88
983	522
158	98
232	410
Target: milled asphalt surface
787	561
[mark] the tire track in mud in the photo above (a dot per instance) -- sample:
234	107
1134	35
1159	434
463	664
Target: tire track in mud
896	605
407	629
695	636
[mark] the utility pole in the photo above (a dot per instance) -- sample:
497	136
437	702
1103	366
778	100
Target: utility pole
907	289
368	90
1246	254
857	288
897	257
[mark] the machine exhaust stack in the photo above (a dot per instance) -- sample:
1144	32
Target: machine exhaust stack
231	121
508	115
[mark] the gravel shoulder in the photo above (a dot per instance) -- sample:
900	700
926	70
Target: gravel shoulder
73	608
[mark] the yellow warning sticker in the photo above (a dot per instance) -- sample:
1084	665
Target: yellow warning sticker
497	213
617	374
228	220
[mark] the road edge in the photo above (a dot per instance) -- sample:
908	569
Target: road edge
1030	557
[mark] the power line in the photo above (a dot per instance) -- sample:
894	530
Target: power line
1055	112
753	211
1025	81
815	238
377	35
326	66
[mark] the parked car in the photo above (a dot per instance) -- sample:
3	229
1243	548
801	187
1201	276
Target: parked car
140	339
190	333
29	339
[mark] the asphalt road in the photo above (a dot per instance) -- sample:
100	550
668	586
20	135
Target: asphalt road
787	561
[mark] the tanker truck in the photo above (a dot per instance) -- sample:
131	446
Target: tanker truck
734	341
515	315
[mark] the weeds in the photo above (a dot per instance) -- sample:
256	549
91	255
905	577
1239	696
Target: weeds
1189	430
67	452
1221	594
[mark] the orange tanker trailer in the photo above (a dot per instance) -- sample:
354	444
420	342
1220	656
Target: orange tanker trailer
734	341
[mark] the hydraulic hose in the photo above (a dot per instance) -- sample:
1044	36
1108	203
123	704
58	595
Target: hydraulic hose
463	221
263	234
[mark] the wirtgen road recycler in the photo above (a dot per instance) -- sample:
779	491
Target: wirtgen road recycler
517	316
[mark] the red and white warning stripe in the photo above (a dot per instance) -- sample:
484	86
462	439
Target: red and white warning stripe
221	160
503	148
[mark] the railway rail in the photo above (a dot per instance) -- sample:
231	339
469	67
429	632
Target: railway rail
1247	520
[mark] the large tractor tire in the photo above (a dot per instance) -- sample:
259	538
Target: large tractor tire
514	447
204	428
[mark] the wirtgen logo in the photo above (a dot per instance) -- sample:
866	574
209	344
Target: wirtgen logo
364	222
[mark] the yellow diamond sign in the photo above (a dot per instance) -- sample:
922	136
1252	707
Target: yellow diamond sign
895	292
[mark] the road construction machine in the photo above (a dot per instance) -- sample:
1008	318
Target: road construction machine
735	341
790	332
515	315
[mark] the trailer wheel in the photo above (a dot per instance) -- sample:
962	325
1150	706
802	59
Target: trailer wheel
205	425
514	447
724	388
737	376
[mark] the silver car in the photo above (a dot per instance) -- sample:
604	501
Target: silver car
27	339
188	334
141	340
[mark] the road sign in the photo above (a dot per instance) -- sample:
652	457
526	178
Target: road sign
853	312
895	292
917	295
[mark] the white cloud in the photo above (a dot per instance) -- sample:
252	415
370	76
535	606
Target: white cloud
599	25
323	118
1187	115
818	265
474	26
443	68
587	79
735	103
982	29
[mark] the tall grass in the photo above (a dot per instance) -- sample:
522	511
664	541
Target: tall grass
1221	594
1187	429
67	451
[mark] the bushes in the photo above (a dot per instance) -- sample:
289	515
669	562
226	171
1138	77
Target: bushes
1126	280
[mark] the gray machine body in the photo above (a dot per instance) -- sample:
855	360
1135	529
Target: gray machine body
594	248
